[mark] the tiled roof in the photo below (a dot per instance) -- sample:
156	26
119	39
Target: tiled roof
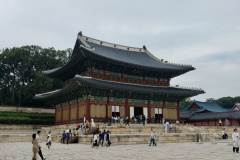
213	116
134	58
236	115
140	58
208	106
85	84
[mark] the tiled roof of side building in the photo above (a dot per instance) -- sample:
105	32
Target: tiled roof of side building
185	115
213	116
236	115
208	106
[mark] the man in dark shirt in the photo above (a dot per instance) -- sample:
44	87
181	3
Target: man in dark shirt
64	136
108	139
102	136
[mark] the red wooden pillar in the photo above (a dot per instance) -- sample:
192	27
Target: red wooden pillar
69	114
78	112
62	114
149	111
162	110
127	110
178	112
88	109
55	114
107	104
91	73
104	76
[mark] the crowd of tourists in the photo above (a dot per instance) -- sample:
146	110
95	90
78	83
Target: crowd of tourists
101	139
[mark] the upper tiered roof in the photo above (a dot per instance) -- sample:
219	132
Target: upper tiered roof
89	52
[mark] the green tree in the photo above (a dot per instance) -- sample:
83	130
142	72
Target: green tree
226	102
21	68
185	103
210	100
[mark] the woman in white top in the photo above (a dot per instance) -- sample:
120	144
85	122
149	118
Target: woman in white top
220	122
92	123
95	141
235	137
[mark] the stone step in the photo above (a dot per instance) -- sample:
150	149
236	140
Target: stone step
5	138
142	139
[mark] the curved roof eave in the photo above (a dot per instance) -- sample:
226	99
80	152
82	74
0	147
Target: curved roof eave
88	81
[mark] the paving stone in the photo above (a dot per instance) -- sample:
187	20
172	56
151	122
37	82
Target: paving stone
170	151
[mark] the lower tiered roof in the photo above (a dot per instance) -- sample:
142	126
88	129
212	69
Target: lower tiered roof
81	86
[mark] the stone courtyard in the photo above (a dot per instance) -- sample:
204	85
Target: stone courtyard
166	151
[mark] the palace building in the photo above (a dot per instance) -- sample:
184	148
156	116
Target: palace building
209	114
103	79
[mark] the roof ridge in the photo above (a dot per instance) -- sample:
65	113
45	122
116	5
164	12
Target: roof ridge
112	45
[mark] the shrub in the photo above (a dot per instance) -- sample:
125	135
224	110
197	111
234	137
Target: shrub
26	118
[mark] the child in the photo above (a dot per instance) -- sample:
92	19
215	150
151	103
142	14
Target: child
48	142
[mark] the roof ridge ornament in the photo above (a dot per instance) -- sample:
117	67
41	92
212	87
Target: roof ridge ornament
80	33
144	47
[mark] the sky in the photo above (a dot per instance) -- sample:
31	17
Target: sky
203	33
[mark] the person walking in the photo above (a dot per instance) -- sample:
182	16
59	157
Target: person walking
100	138
170	127
35	146
50	137
165	126
68	137
126	121
48	143
103	137
152	138
70	129
235	137
84	118
64	136
144	120
226	122
95	144
220	122
108	139
38	137
82	129
223	133
163	120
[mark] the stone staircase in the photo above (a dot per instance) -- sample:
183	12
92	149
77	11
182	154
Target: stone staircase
121	134
19	133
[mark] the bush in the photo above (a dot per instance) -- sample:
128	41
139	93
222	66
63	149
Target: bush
26	118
